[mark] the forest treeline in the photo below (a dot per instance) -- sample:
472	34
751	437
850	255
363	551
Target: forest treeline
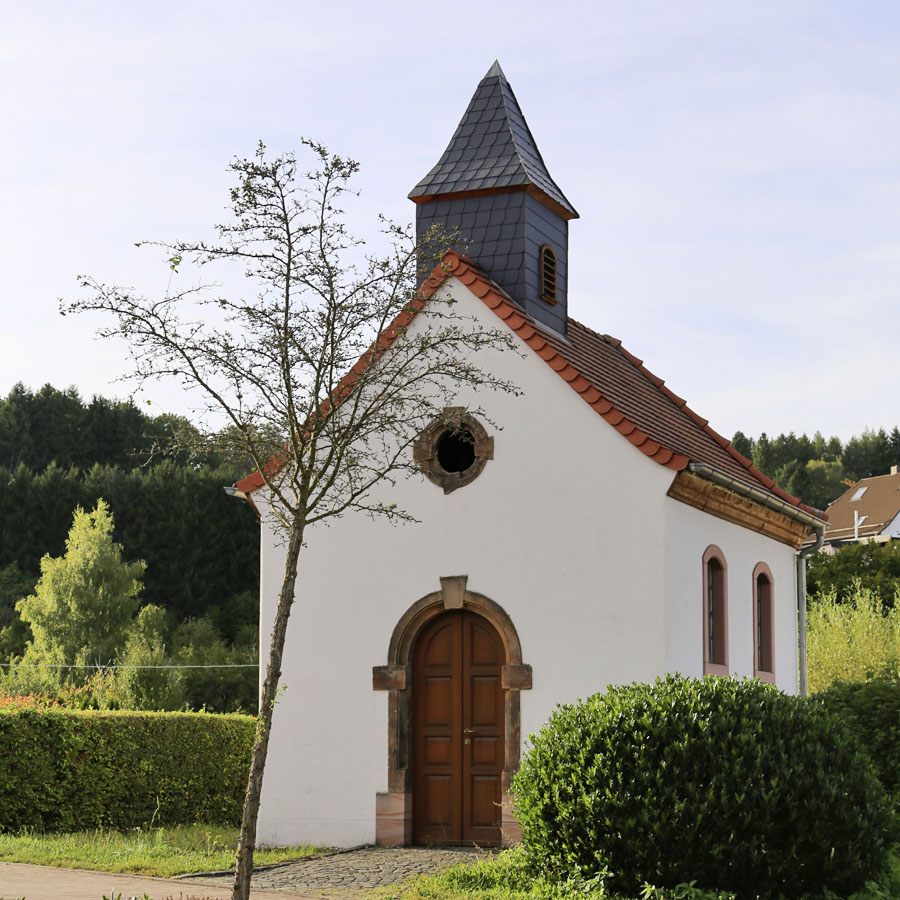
818	469
59	452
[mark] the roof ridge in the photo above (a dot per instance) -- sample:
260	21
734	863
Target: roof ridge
506	101
610	339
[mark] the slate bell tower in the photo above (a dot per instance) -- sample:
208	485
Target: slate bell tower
492	187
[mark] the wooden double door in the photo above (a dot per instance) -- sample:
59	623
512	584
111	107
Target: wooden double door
458	725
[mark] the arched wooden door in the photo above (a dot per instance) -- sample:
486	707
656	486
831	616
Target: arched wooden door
458	719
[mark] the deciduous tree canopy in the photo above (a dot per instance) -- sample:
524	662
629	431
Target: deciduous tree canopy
84	601
332	362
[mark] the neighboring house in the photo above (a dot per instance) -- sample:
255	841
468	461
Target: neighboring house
606	534
869	511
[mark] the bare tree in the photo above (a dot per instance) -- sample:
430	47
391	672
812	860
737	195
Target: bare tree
323	379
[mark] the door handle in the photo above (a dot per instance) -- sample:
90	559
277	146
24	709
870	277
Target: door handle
468	731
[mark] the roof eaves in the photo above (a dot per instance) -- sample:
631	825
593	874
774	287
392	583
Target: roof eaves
874	528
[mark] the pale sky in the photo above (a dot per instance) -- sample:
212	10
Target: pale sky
736	166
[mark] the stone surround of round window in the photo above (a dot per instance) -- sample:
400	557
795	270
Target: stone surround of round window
454	449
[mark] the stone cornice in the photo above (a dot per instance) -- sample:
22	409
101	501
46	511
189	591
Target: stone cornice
719	501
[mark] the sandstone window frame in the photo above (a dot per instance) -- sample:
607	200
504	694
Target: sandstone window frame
763	623
454	420
715	612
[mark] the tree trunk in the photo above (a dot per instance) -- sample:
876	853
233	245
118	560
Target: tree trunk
247	842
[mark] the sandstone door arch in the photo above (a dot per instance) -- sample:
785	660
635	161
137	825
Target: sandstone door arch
394	808
458	725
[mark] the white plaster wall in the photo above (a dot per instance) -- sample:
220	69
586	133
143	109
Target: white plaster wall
565	529
689	533
569	529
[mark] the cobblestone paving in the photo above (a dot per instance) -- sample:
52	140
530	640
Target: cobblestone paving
353	873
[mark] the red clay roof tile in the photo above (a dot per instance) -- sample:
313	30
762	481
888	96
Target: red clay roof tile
631	398
637	403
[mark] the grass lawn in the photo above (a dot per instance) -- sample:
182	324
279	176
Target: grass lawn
157	851
503	877
500	877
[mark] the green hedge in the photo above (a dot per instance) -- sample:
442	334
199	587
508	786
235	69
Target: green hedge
871	710
64	770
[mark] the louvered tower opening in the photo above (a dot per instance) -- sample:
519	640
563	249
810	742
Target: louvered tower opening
548	274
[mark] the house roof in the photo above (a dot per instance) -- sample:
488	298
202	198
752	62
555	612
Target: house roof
608	378
492	149
880	504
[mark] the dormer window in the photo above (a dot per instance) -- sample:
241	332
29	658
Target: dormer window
548	274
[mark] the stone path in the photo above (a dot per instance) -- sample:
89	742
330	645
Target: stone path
351	873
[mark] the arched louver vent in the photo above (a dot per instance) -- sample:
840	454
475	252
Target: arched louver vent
548	274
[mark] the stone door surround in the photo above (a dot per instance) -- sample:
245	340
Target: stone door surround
394	809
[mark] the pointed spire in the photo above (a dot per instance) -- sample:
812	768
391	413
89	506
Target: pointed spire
492	148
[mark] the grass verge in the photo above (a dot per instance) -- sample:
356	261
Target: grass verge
499	877
504	877
162	852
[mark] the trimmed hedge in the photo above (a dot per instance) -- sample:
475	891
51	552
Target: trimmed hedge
871	710
63	770
724	782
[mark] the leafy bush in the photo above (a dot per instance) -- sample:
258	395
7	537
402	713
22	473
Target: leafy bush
65	770
871	710
722	782
851	638
196	642
146	687
39	687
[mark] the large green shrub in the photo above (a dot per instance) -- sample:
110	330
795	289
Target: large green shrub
727	783
871	710
64	770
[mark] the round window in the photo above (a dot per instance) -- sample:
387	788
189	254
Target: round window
454	449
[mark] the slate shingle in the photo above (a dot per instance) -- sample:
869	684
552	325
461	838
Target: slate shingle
493	129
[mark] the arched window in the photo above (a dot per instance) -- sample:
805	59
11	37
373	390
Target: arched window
548	274
763	624
715	612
